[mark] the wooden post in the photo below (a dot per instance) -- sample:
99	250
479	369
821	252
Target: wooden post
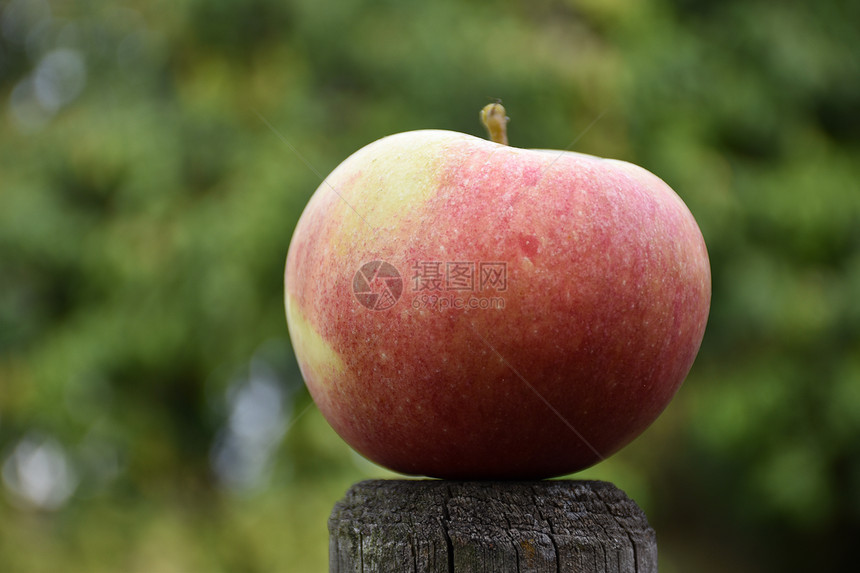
418	526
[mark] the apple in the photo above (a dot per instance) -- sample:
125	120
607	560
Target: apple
464	309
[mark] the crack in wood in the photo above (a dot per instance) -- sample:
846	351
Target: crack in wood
445	524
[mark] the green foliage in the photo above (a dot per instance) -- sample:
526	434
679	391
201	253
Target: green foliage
154	158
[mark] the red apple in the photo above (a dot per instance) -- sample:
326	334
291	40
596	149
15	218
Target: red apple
464	309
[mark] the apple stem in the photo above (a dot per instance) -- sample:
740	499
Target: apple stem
494	119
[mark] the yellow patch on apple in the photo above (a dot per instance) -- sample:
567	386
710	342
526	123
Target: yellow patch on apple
376	200
318	360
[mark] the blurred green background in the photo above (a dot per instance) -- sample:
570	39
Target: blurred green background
152	417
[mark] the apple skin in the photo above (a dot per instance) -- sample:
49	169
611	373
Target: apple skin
608	292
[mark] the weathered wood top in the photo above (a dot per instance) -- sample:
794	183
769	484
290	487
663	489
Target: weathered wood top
460	527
